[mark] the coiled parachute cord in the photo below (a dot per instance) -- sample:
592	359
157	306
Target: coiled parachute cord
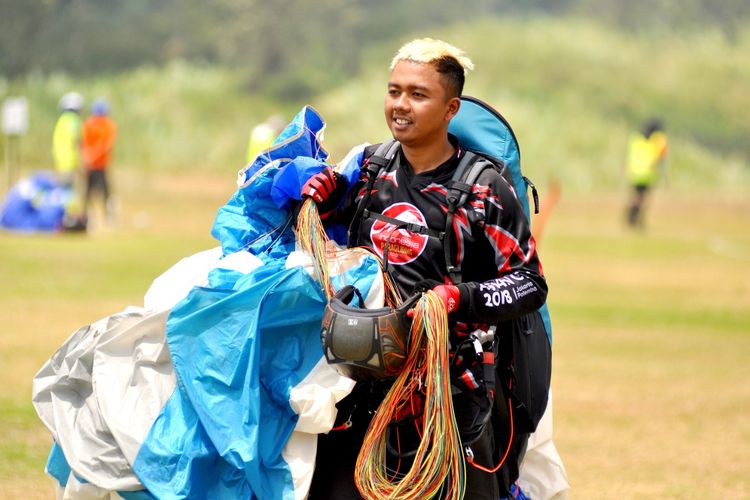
438	465
312	239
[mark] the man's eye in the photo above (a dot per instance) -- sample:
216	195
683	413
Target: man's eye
418	94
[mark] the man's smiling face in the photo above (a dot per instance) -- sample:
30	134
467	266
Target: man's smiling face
417	105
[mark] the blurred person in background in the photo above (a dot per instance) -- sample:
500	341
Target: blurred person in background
647	154
263	135
66	139
97	141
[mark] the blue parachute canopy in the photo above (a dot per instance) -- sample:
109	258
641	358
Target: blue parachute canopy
257	218
233	382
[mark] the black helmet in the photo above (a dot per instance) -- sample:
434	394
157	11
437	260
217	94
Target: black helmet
365	344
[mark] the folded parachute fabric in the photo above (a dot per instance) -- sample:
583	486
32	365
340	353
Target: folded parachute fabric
253	219
208	267
218	387
108	394
238	355
66	395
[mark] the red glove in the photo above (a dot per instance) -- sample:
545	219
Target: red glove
320	186
450	295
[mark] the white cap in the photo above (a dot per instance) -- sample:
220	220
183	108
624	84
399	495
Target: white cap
72	101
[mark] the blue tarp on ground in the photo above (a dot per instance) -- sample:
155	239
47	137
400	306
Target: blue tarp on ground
36	203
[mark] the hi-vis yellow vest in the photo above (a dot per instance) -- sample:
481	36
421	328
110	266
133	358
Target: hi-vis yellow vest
644	156
261	139
66	142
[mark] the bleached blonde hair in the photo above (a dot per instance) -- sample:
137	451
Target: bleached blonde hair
428	50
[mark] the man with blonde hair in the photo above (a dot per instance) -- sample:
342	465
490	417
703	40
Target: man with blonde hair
398	210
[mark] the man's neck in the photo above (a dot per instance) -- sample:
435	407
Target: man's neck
429	157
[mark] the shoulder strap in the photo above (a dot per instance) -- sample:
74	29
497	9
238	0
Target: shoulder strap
380	159
383	155
465	176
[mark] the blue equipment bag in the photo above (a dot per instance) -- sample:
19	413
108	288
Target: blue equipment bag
524	344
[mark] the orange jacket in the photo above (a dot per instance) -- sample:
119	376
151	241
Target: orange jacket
97	139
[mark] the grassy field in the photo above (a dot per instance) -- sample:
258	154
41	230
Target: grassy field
651	329
652	336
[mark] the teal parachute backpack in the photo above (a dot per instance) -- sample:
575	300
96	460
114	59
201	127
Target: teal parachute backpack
523	358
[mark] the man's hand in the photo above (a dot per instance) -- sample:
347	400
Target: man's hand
449	294
322	185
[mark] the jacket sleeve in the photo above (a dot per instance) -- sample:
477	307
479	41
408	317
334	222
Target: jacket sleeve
352	169
337	222
519	287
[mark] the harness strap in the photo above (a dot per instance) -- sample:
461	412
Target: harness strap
459	189
466	174
534	194
400	224
380	159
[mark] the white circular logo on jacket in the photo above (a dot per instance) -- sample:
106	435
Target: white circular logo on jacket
403	246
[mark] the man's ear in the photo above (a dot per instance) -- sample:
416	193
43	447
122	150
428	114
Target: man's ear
454	104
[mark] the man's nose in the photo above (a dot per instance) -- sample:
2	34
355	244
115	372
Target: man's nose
402	103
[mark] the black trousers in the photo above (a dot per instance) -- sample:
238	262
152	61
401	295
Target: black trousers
96	181
337	456
637	205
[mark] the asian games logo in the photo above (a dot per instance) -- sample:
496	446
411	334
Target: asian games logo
403	246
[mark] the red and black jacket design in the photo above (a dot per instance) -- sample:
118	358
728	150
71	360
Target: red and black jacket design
502	277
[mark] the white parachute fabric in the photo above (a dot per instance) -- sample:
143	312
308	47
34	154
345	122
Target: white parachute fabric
101	392
133	378
175	283
103	389
64	398
542	473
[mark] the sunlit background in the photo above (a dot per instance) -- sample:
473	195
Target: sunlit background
651	327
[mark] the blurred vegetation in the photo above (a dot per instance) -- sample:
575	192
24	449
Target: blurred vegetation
575	94
172	117
574	79
285	46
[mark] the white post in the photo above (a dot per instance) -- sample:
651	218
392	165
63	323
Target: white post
15	124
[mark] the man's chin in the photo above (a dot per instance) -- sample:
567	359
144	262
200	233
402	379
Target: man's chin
402	136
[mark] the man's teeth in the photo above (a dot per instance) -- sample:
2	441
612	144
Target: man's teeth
401	121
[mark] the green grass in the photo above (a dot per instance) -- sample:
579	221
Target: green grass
650	347
22	455
650	329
